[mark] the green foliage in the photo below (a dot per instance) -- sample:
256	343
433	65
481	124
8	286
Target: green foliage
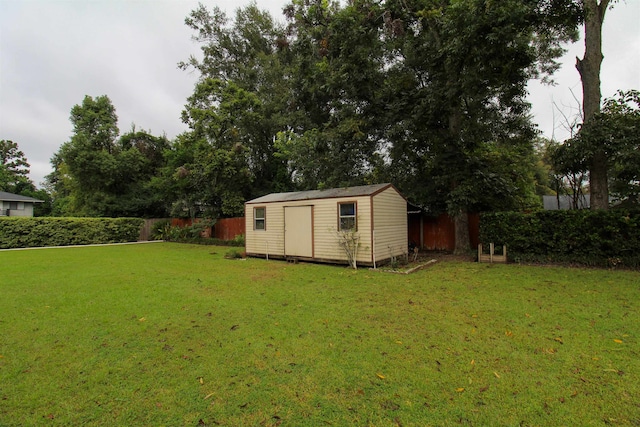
428	95
193	233
457	82
597	238
237	107
14	168
161	230
615	132
336	75
206	180
234	254
166	334
98	174
16	232
239	240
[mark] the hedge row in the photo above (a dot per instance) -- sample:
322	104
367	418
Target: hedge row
16	232
596	238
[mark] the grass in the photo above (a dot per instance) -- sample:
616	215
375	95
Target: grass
175	335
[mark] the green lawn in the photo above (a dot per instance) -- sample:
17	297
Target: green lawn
175	335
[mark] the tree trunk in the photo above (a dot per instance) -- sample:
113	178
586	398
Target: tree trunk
589	69
461	225
598	181
460	219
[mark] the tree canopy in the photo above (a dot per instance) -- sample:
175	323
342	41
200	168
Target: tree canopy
14	168
427	94
615	132
100	173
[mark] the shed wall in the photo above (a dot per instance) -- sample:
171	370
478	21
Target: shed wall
269	241
390	224
325	226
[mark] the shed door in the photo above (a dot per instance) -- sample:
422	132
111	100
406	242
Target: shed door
298	231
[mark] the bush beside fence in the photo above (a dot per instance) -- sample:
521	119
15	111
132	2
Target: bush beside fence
16	232
596	238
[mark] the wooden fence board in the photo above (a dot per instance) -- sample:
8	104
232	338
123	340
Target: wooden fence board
229	228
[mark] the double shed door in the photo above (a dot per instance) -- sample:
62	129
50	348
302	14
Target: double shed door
298	231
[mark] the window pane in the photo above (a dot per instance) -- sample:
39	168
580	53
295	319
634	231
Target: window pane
259	218
347	209
347	223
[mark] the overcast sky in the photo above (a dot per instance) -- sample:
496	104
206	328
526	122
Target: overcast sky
54	52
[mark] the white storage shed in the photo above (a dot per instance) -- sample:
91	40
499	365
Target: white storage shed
306	225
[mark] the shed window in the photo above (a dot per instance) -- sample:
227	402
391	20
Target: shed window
259	219
347	216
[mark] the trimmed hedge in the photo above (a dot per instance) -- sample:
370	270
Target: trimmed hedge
595	238
17	232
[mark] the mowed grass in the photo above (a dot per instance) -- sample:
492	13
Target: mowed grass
175	335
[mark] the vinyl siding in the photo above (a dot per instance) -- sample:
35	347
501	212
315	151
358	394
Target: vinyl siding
271	240
390	224
325	226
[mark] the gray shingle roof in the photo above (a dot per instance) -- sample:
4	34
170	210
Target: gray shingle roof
10	197
362	190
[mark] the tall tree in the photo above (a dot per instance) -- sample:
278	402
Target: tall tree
98	173
337	70
459	71
216	174
88	156
615	130
14	168
589	69
242	93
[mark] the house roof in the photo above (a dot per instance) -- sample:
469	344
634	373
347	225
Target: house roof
10	197
362	190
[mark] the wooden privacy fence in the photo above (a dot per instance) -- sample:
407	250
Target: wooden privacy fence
431	233
228	228
438	233
224	229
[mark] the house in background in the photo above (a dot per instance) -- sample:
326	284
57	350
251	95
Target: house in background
16	205
306	224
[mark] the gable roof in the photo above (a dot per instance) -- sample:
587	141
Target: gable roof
10	197
362	190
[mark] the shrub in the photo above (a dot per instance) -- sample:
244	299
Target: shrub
16	232
597	238
161	230
234	254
